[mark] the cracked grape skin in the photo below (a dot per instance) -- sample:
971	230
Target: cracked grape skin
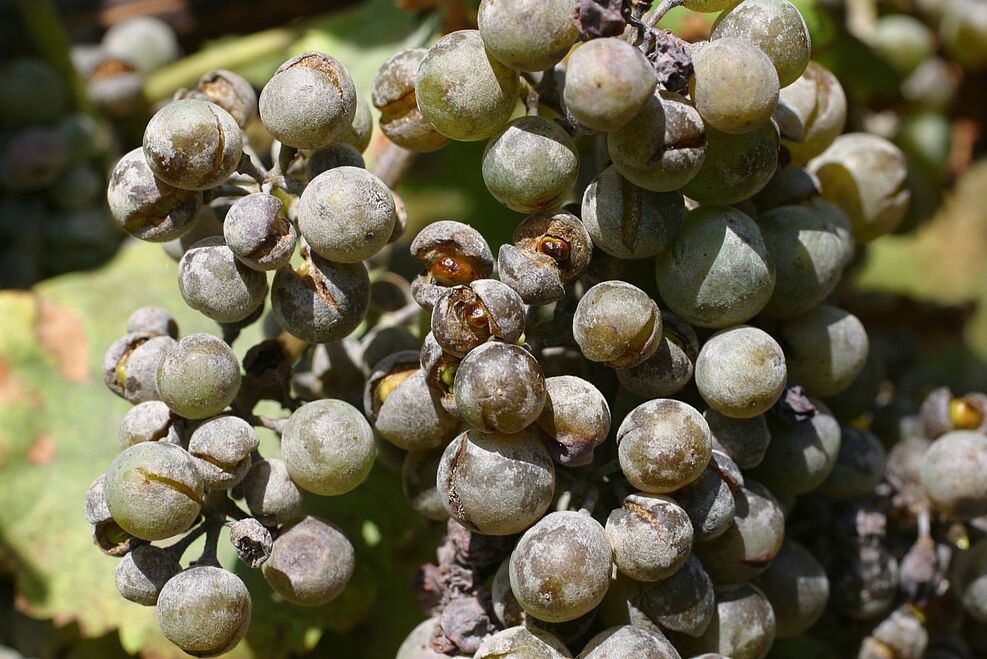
560	568
617	323
328	447
463	91
149	421
651	536
199	376
663	445
216	284
663	147
130	365
221	448
576	418
204	610
394	95
153	490
717	273
193	145
496	484
465	317
741	372
530	165
310	563
258	234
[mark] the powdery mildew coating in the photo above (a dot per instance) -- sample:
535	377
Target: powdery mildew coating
663	147
736	167
494	483
528	35
774	26
204	610
310	102
817	103
322	301
394	96
744	440
153	490
310	563
199	376
607	81
708	500
216	284
576	416
530	164
826	348
193	144
153	320
651	536
746	549
743	626
560	568
257	234
663	445
629	641
669	370
346	214
270	494
130	365
735	88
627	221
463	91
457	325
328	447
143	572
954	474
527	642
797	588
617	323
717	272
801	454
499	387
148	208
221	448
741	372
149	421
865	176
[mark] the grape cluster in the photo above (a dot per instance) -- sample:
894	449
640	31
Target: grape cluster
615	413
52	176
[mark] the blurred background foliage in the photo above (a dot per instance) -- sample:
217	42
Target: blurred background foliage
923	292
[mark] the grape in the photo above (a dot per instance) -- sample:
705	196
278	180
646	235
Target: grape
963	31
743	626
453	254
499	387
328	447
747	548
522	642
651	536
462	91
144	41
149	421
825	348
745	441
394	95
903	41
975	599
418	643
607	81
735	88
629	641
809	251
736	167
859	465
218	285
528	35
802	453
741	372
258	234
953	474
663	445
731	283
530	165
418	474
154	490
222	448
669	370
465	317
616	323
130	365
629	222
576	417
661	148
496	484
797	588
198	377
204	610
814	106
311	562
143	572
270	494
865	176
708	500
561	567
774	26
232	92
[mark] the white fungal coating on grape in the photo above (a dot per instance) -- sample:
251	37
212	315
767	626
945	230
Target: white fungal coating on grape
953	474
607	81
775	27
741	372
527	642
651	536
735	88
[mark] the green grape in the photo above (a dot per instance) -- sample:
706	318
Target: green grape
154	490
814	108
809	251
865	176
462	91
616	323
328	447
736	167
743	440
927	136
963	31
199	376
731	281
204	610
826	349
954	474
902	40
521	642
797	588
774	26
607	82
743	625
310	563
802	453
741	372
560	568
528	35
663	147
735	88
530	165
629	641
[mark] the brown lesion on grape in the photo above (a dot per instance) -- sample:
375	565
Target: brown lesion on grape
178	486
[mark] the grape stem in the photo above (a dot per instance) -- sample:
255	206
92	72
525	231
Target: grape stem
178	549
665	7
392	163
